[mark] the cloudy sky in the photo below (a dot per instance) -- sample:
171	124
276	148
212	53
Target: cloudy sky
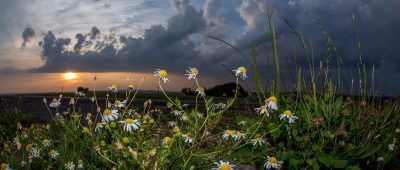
112	39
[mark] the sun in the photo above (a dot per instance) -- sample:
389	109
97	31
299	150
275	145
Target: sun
69	75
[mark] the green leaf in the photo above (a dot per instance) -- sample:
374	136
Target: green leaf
371	150
339	163
275	134
293	162
315	147
327	160
353	168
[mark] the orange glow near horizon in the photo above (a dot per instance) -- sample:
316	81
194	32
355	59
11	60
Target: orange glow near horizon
70	76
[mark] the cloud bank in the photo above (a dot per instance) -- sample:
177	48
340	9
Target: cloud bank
182	41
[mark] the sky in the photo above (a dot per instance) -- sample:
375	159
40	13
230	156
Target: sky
40	40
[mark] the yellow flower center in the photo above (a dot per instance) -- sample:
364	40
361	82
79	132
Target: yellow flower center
238	133
194	70
176	129
169	104
272	99
117	102
29	146
264	107
229	132
202	90
125	140
85	129
167	139
128	121
98	124
225	167
114	86
45	141
189	134
3	166
80	161
163	73
54	100
242	70
272	160
107	112
288	113
52	152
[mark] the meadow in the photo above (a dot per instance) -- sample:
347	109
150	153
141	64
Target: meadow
314	128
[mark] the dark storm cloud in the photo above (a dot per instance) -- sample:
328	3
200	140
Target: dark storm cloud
94	32
183	41
160	47
80	38
27	35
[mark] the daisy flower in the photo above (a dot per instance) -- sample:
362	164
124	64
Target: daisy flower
172	123
184	117
80	93
113	88
120	104
258	140
239	135
55	103
271	102
169	105
200	115
71	101
221	165
162	74
228	133
99	126
380	159
240	72
391	146
18	145
272	162
166	140
34	153
176	112
70	165
130	124
262	110
176	129
187	137
242	123
201	91
29	147
289	115
130	87
397	130
85	130
53	154
80	164
109	115
88	116
192	73
220	106
46	143
5	166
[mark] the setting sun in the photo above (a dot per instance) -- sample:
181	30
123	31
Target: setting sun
69	76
